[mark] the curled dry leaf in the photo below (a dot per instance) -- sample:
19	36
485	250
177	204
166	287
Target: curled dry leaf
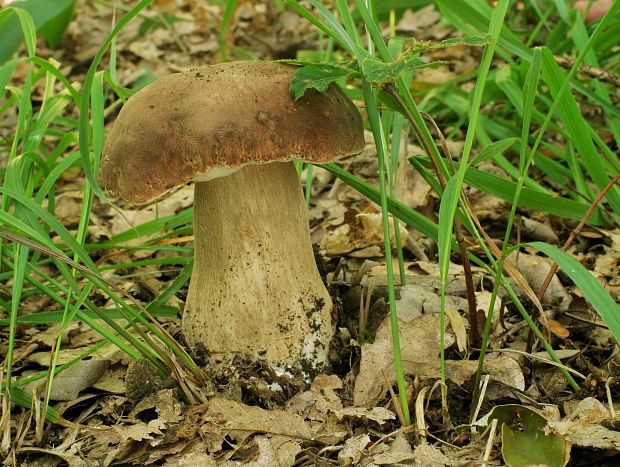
400	452
357	230
321	399
269	451
164	402
584	426
381	415
457	323
607	266
195	453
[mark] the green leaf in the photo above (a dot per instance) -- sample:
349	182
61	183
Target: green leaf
384	7
578	129
603	303
53	29
524	441
50	18
23	26
527	444
377	71
319	76
505	189
47	317
24	399
493	149
413	46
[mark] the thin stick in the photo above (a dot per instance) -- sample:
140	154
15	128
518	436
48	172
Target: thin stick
610	401
483	390
395	402
487	451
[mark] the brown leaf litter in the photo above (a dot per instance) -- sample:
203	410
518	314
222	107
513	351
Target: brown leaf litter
126	413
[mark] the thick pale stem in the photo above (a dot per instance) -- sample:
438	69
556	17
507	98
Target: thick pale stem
255	287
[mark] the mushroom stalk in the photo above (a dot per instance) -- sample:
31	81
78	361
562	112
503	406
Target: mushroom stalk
255	287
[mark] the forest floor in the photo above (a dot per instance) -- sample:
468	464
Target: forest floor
253	416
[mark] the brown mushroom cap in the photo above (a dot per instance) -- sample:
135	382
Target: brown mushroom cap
207	122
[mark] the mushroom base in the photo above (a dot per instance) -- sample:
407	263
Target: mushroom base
255	287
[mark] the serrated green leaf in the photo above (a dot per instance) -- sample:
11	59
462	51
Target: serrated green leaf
319	76
377	71
474	40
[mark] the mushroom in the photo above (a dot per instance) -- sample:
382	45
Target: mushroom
234	130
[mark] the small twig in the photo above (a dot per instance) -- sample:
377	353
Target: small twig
593	72
483	389
610	401
586	321
487	451
547	361
576	231
395	400
340	267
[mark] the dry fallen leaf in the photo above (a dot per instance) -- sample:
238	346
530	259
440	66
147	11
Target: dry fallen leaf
400	453
321	399
539	231
583	427
271	451
420	355
79	376
380	415
607	266
194	454
420	19
140	431
239	421
353	449
356	231
534	269
420	346
171	204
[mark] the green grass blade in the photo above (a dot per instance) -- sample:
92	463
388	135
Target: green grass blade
603	303
88	162
29	30
409	216
578	129
226	17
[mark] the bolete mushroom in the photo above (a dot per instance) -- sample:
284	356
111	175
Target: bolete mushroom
234	130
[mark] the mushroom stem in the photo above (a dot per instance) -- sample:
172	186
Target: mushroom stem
255	287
